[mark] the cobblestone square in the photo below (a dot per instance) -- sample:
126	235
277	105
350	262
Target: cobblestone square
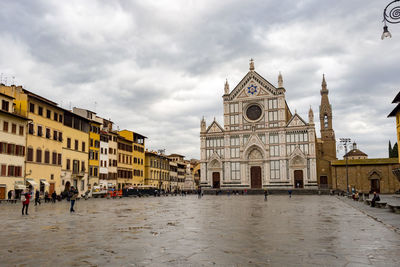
187	231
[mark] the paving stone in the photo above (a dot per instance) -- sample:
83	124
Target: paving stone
186	231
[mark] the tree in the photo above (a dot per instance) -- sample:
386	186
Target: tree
393	152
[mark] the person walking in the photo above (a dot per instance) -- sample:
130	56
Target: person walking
37	197
73	194
25	202
54	196
290	193
265	194
9	195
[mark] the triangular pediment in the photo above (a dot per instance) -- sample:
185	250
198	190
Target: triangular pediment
252	85
296	120
214	128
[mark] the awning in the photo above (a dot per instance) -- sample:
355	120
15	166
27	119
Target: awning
44	182
19	187
32	182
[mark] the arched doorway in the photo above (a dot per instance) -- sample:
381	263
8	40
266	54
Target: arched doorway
67	186
375	186
298	179
255	176
216	180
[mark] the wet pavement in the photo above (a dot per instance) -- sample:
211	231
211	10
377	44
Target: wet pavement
186	231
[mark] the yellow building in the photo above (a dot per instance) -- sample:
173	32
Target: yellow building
44	139
94	145
75	152
396	113
157	171
125	167
138	155
12	148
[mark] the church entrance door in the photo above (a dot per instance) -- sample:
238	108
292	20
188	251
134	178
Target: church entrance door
375	186
216	180
323	182
255	173
298	179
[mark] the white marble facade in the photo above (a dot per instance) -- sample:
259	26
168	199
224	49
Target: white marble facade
262	144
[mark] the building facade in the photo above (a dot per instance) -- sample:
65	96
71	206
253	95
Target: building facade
94	145
125	167
44	142
181	166
262	144
12	148
138	155
157	172
75	152
366	175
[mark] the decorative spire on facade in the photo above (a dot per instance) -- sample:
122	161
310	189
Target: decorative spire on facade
251	64
280	80
203	125
226	87
311	116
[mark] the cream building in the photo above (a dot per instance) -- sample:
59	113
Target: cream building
261	143
75	151
12	147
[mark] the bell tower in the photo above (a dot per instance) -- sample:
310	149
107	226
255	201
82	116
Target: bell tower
326	146
325	113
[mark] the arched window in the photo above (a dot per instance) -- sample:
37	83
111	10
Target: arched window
326	121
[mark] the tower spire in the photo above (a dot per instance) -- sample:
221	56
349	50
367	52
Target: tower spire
324	85
280	80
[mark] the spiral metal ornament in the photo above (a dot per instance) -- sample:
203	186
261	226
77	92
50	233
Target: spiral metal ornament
391	13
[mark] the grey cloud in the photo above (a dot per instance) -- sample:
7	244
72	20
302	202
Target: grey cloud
156	68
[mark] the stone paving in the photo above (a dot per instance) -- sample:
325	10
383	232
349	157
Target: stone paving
186	231
383	215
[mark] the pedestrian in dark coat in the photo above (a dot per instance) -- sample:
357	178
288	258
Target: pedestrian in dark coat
375	199
265	195
37	197
54	196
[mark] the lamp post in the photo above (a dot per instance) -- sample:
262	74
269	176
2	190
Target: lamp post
391	14
344	142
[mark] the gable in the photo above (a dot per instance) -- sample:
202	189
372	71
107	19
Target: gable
296	120
214	128
253	84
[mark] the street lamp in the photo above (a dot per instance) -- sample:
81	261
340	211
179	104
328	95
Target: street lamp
391	14
344	142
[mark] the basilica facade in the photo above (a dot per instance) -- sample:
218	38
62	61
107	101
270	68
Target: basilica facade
261	144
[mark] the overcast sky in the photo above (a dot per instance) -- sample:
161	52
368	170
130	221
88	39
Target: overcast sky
156	67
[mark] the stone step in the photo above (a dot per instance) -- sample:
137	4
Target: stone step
295	191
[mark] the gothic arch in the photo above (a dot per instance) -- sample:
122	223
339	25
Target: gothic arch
215	164
298	160
374	174
254	151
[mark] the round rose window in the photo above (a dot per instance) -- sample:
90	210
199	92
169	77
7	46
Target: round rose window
253	112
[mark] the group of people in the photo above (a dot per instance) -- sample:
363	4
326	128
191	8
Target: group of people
72	195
